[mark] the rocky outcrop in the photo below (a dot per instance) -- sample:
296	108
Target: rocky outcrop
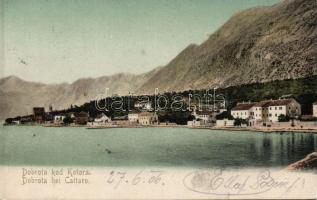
309	162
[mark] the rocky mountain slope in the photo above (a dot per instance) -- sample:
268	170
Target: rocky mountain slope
257	45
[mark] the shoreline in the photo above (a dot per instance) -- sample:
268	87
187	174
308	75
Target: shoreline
268	130
251	129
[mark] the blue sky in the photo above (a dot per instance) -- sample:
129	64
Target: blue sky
55	41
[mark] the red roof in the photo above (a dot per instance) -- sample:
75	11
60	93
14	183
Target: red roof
266	103
263	104
281	102
243	106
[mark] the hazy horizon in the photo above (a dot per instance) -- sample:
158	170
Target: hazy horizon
62	41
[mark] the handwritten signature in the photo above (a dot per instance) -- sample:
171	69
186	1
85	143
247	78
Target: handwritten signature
220	182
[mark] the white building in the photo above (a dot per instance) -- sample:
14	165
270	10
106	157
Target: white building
286	107
15	122
224	123
133	117
259	113
102	119
143	106
147	118
205	117
242	110
194	123
315	109
58	119
266	111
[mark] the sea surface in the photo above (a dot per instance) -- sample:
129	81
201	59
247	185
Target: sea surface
145	147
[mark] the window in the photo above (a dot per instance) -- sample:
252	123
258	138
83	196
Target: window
275	108
245	113
270	115
275	115
256	108
280	108
270	108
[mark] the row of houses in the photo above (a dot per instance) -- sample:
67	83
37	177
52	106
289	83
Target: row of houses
83	118
251	113
268	111
204	117
133	118
40	116
261	113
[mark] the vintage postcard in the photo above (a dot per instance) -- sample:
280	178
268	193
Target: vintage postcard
158	99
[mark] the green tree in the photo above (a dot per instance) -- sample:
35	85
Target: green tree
224	115
67	120
283	118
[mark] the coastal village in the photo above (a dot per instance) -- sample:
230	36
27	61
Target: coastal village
267	114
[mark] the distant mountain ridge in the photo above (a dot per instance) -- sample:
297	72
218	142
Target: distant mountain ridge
19	96
257	45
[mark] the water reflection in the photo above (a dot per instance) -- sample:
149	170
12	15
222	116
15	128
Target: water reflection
152	147
282	149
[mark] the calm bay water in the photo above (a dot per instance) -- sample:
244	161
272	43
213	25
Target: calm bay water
160	147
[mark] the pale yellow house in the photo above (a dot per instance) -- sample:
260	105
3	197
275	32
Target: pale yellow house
147	118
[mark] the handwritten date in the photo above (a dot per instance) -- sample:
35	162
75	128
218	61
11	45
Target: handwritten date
118	178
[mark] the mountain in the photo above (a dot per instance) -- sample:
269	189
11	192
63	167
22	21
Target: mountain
257	45
18	97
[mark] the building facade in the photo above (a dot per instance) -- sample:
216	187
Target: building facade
102	119
133	117
147	118
194	123
287	107
58	119
205	117
267	111
39	114
315	109
143	106
242	110
224	123
81	118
